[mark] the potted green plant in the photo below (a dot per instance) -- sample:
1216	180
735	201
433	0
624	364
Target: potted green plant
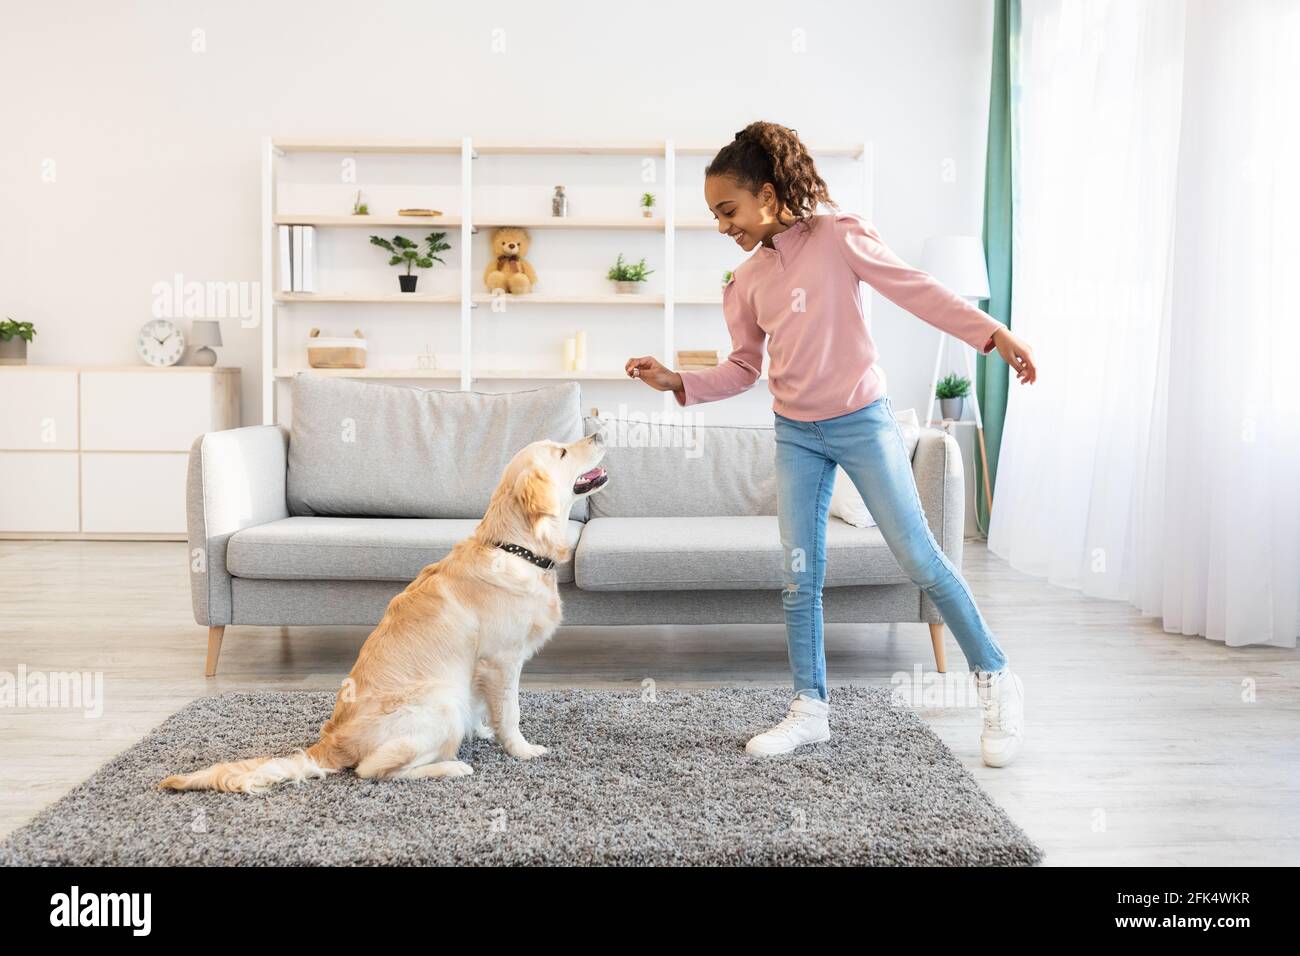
14	337
727	277
648	205
406	252
358	207
627	276
951	392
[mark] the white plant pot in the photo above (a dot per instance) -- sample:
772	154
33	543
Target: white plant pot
628	288
13	352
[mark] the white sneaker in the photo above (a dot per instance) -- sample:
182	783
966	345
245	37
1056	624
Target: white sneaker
805	723
1002	698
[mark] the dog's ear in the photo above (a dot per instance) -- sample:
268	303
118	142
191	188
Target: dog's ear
535	493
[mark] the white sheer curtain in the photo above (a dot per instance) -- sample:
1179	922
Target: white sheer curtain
1157	459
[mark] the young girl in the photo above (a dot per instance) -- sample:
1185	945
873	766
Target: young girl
800	292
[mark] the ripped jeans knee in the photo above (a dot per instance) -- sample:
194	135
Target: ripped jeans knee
797	592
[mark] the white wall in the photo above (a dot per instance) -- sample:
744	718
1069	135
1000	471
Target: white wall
154	152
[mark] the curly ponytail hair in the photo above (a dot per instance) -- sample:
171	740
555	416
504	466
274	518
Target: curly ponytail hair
771	153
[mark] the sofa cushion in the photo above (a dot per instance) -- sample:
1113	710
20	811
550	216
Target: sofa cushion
353	549
372	448
653	554
685	471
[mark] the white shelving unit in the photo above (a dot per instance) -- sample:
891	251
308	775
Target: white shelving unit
472	301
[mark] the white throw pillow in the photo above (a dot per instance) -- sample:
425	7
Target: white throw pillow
846	502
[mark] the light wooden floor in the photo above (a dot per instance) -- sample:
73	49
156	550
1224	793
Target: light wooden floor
1140	747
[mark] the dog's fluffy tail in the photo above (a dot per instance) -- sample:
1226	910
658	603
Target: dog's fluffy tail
259	773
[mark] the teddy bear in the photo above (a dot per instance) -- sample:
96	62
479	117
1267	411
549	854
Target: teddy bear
509	270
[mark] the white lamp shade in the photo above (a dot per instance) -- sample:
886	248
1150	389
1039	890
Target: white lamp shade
204	332
958	263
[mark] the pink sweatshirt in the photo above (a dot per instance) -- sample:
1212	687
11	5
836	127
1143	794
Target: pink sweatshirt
803	297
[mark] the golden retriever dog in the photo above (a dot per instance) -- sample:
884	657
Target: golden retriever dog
445	659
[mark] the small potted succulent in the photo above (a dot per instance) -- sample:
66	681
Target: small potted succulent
627	277
727	277
358	207
405	252
648	205
14	337
951	392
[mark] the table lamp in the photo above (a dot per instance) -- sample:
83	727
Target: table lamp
203	333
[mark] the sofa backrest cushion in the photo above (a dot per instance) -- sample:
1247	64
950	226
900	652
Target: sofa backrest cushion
379	449
686	471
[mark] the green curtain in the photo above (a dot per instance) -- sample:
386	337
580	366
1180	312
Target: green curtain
991	373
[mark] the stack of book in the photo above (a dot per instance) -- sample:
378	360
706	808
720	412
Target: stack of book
297	258
697	358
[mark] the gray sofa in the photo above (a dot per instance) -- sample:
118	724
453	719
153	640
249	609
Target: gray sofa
324	522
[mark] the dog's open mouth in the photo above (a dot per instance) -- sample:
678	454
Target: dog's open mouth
590	480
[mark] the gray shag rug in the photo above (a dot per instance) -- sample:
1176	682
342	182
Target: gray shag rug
627	781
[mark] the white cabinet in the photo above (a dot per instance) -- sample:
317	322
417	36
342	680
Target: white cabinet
104	450
38	409
133	492
39	491
143	411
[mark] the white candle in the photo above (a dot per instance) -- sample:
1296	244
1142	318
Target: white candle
580	355
570	354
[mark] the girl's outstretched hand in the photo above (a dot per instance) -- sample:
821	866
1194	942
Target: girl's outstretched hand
1016	353
651	371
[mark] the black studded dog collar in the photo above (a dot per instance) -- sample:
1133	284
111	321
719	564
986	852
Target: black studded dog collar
527	555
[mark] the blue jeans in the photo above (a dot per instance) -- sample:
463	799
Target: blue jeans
869	446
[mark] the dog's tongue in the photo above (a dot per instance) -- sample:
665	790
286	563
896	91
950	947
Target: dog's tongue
594	473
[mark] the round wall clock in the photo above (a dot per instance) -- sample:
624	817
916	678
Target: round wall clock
160	343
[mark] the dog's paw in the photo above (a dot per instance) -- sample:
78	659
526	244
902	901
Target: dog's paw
444	768
527	751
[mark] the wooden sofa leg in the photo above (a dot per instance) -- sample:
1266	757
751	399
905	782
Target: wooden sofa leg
214	650
936	638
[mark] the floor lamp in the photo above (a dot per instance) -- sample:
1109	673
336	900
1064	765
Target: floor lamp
958	263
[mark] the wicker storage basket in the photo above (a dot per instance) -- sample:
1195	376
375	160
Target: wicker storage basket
336	352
